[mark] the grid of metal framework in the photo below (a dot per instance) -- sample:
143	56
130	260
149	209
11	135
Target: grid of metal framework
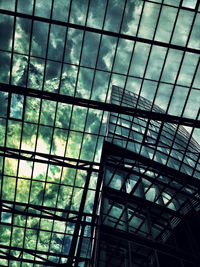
59	60
150	184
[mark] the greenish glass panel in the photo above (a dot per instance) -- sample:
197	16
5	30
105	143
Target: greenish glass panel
13	134
32	109
50	196
44	139
31	238
76	198
88	147
25	6
37	191
61	10
68	82
19	70
43	241
64	197
29	136
17	237
39	39
43	9
9	184
80	178
2	131
54	173
46	224
4	69
78	118
63	115
68	176
23	188
22	35
5	231
47	114
89	203
6	25
52	81
10	166
36	73
59	142
73	145
19	220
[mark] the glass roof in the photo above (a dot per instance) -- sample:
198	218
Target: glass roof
53	54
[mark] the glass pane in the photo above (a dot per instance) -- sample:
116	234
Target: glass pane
60	10
24	6
139	59
155	63
123	56
73	46
78	12
22	35
39	39
149	20
166	23
131	17
90	49
114	15
43	9
195	36
106	53
56	42
96	13
6	25
182	28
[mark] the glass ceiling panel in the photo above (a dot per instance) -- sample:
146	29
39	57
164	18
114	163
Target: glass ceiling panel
89	47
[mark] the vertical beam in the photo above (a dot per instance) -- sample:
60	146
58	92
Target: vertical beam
78	223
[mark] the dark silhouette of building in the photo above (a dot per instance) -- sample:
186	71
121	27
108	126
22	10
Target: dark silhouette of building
150	197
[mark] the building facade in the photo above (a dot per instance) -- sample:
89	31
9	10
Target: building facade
150	191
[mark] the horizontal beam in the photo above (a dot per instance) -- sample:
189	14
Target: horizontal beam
126	199
153	180
114	150
149	243
87	103
49	216
100	31
41	208
22	154
39	253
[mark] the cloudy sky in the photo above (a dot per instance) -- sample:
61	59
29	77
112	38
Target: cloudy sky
72	62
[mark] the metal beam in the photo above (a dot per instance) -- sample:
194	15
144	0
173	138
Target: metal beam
74	242
162	169
88	103
41	208
49	159
39	253
126	199
100	31
40	215
149	243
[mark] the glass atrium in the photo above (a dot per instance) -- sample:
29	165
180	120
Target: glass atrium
59	62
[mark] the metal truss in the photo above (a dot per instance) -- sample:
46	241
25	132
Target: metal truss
39	211
49	159
135	112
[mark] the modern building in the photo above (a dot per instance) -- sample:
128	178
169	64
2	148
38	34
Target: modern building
150	196
63	124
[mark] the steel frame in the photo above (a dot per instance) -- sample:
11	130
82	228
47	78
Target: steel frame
135	112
